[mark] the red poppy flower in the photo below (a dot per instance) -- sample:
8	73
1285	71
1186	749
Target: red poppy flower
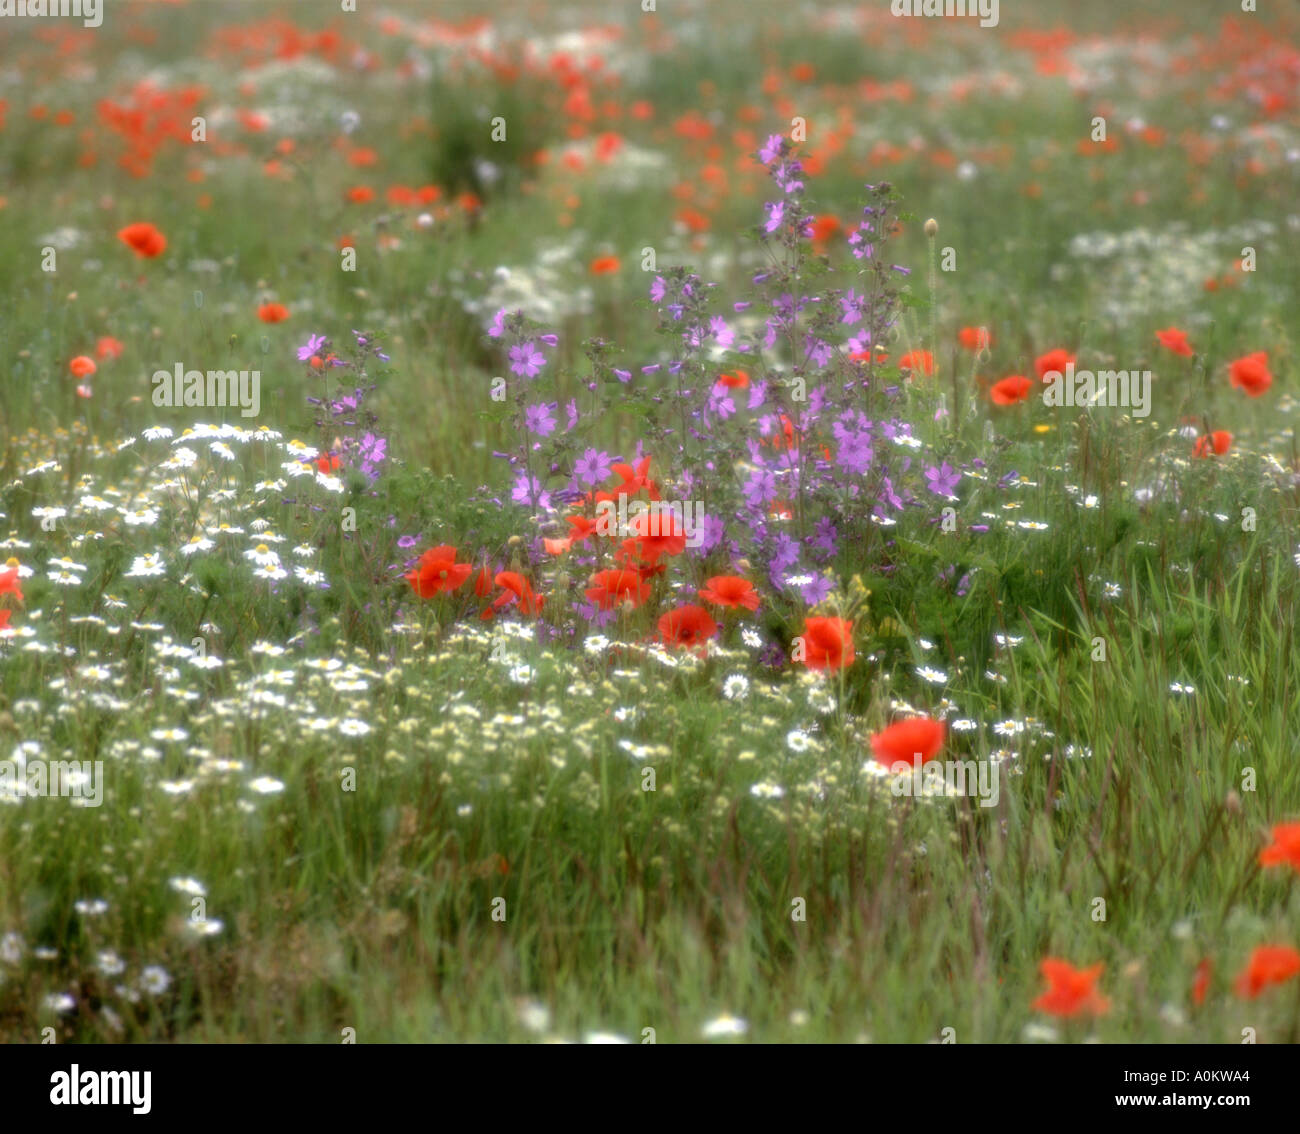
916	740
329	463
1054	361
517	586
631	481
785	439
82	366
584	527
483	582
361	194
9	583
1285	847
921	360
738	380
824	227
687	626
108	347
604	265
273	313
4	619
975	338
827	643
1251	373
1268	964
1175	340
611	587
1070	991
1010	390
653	536
730	590
1201	982
438	571
1216	444
146	241
882	355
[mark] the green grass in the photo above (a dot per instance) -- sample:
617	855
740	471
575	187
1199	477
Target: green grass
362	894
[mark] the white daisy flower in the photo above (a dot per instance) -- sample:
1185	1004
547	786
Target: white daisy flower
143	566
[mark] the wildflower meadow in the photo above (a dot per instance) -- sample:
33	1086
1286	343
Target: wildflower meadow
649	522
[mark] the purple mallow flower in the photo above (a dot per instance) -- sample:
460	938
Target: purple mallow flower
539	419
592	468
310	347
526	360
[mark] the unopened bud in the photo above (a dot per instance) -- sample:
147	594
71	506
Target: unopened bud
1232	803
932	228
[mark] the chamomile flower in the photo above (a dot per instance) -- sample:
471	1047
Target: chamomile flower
197	543
141	518
724	1025
144	566
263	556
736	687
154	980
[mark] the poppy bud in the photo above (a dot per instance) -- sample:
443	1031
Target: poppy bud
1232	803
932	228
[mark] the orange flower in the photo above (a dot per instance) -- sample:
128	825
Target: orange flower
1175	340
975	338
1285	847
824	227
882	355
610	587
1215	444
916	740
82	366
654	536
108	347
517	586
687	626
1070	991
827	643
1251	373
1054	361
921	360
9	584
1014	388
730	590
273	313
631	481
438	571
1269	964
785	439
1201	982
144	238
605	265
